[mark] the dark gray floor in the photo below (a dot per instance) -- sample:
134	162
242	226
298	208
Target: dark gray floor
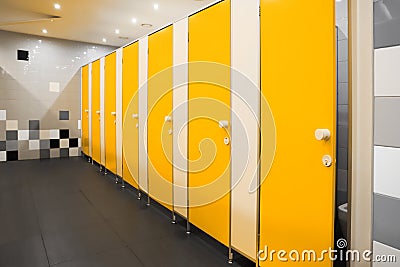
63	212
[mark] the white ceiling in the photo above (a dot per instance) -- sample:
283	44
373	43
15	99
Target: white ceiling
92	20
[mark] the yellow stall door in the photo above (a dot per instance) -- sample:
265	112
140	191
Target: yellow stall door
159	116
96	151
130	113
110	112
85	110
298	79
209	105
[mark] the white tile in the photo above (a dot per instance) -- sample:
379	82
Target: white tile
34	144
3	115
74	152
79	142
54	87
387	65
23	135
79	125
3	155
386	251
12	125
44	134
64	143
387	171
54	134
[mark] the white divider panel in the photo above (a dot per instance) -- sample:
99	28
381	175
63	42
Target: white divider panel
143	70
180	115
245	125
102	121
387	66
119	112
90	109
385	251
387	171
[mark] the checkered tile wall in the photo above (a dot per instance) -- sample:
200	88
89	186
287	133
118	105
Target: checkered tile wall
35	143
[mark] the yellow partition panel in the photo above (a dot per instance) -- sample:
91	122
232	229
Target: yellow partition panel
209	103
298	79
110	111
159	107
85	109
96	151
130	111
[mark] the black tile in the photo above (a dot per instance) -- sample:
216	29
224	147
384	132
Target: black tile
73	142
22	55
45	153
11	135
2	145
64	152
12	155
34	125
34	134
64	133
55	143
64	115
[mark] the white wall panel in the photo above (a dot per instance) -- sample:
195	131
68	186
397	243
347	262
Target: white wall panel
384	250
387	66
387	171
102	117
245	125
119	112
90	109
180	115
143	70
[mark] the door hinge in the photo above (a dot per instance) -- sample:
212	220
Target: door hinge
259	11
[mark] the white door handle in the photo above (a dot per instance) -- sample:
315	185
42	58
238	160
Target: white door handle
98	112
86	110
113	113
135	116
223	124
322	134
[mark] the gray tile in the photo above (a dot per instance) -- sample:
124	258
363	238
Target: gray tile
64	115
343	137
34	125
387	220
387	123
343	50
3	146
2	130
12	145
44	144
28	154
11	135
343	72
34	134
64	152
23	145
343	115
343	94
54	153
44	153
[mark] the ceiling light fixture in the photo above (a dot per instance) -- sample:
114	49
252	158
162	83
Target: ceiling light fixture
146	25
57	6
156	6
104	40
134	20
116	31
44	31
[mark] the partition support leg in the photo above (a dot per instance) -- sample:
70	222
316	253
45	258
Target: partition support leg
123	183
139	195
116	179
173	218
187	227
148	200
230	260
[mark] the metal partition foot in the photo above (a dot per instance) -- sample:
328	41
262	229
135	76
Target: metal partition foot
139	195
173	218
187	227
230	261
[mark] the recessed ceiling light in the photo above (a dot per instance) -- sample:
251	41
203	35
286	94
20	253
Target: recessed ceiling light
116	31
134	20
44	31
57	6
104	40
156	6
146	25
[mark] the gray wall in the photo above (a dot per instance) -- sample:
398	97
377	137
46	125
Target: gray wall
36	120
